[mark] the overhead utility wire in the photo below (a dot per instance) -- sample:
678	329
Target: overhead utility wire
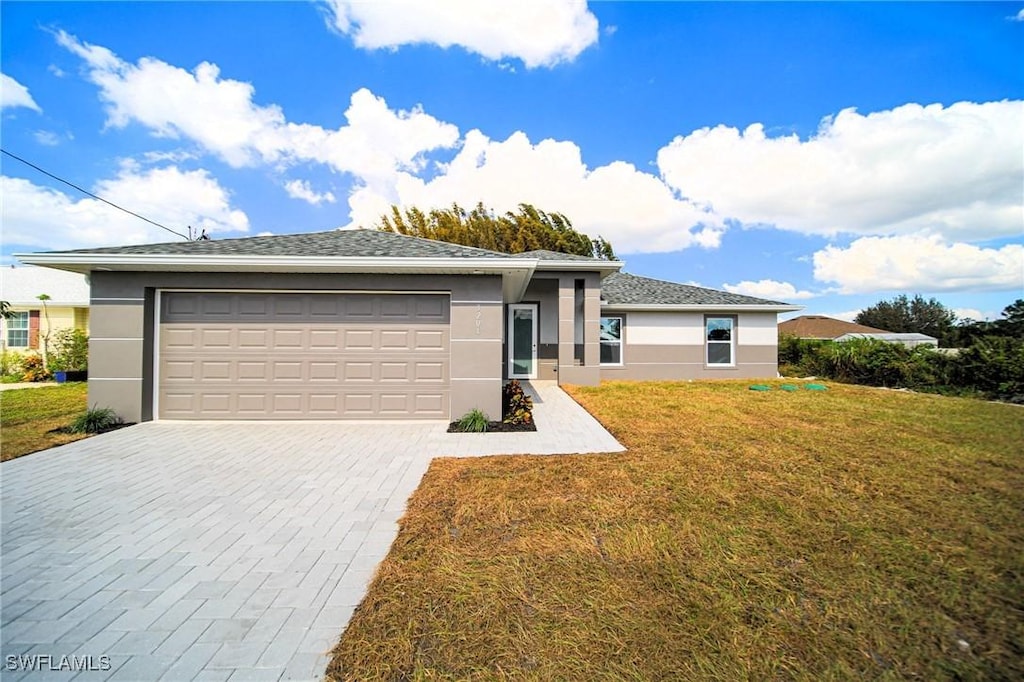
85	191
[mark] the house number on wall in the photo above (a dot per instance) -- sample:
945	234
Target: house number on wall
479	319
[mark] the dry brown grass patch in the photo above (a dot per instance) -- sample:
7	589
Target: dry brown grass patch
744	535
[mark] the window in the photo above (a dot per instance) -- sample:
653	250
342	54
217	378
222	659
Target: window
720	339
611	340
17	331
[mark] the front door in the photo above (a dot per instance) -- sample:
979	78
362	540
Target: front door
522	341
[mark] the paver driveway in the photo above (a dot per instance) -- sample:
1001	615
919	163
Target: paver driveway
219	551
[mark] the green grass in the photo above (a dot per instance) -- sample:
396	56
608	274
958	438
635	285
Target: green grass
855	533
28	415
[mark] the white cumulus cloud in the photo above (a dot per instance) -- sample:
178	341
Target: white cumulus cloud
41	217
221	116
538	32
921	263
969	314
14	94
770	289
47	138
955	171
300	189
632	209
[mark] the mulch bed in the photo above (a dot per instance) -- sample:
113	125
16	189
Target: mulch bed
495	427
115	427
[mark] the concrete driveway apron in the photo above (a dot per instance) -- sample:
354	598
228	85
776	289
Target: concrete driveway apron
218	551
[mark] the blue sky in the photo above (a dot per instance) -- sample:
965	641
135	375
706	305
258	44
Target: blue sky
830	155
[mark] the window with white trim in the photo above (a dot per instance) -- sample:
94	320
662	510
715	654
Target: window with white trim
17	330
721	341
611	340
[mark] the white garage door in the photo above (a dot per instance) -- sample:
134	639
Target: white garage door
303	356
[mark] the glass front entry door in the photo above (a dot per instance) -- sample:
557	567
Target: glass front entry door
522	341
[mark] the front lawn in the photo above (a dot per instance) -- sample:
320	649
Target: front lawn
28	415
745	535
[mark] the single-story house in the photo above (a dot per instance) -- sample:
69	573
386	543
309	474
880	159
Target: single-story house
67	306
360	324
908	339
822	328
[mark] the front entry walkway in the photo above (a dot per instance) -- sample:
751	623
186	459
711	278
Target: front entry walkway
217	551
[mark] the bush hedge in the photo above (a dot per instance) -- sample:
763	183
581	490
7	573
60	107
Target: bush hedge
991	367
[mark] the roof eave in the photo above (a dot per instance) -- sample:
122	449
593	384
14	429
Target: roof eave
605	267
86	262
692	307
515	273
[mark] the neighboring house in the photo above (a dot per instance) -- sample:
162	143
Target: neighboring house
823	328
908	339
359	324
68	305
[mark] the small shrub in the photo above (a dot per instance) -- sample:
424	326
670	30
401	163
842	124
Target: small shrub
70	351
473	421
517	407
95	420
33	370
11	363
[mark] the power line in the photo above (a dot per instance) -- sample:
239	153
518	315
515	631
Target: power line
94	196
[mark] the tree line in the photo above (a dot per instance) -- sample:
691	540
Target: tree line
527	229
908	315
985	359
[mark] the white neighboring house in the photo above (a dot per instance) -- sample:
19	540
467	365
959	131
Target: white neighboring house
68	305
909	340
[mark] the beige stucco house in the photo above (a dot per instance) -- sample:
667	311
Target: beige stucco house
67	306
359	324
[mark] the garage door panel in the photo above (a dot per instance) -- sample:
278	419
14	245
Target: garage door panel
180	338
288	339
218	404
430	404
303	356
252	370
215	370
324	339
394	339
253	339
323	371
287	371
287	404
429	371
177	370
252	404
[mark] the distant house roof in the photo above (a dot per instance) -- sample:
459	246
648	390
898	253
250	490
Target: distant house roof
821	327
904	337
22	286
624	289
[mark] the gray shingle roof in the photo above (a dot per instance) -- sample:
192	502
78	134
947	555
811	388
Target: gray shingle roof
625	289
544	254
351	243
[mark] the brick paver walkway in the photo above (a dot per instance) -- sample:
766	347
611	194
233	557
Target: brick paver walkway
217	551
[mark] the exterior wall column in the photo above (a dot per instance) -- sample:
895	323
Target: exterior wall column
116	346
588	374
477	343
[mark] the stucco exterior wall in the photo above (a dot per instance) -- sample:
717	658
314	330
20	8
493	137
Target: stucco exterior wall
671	345
121	371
